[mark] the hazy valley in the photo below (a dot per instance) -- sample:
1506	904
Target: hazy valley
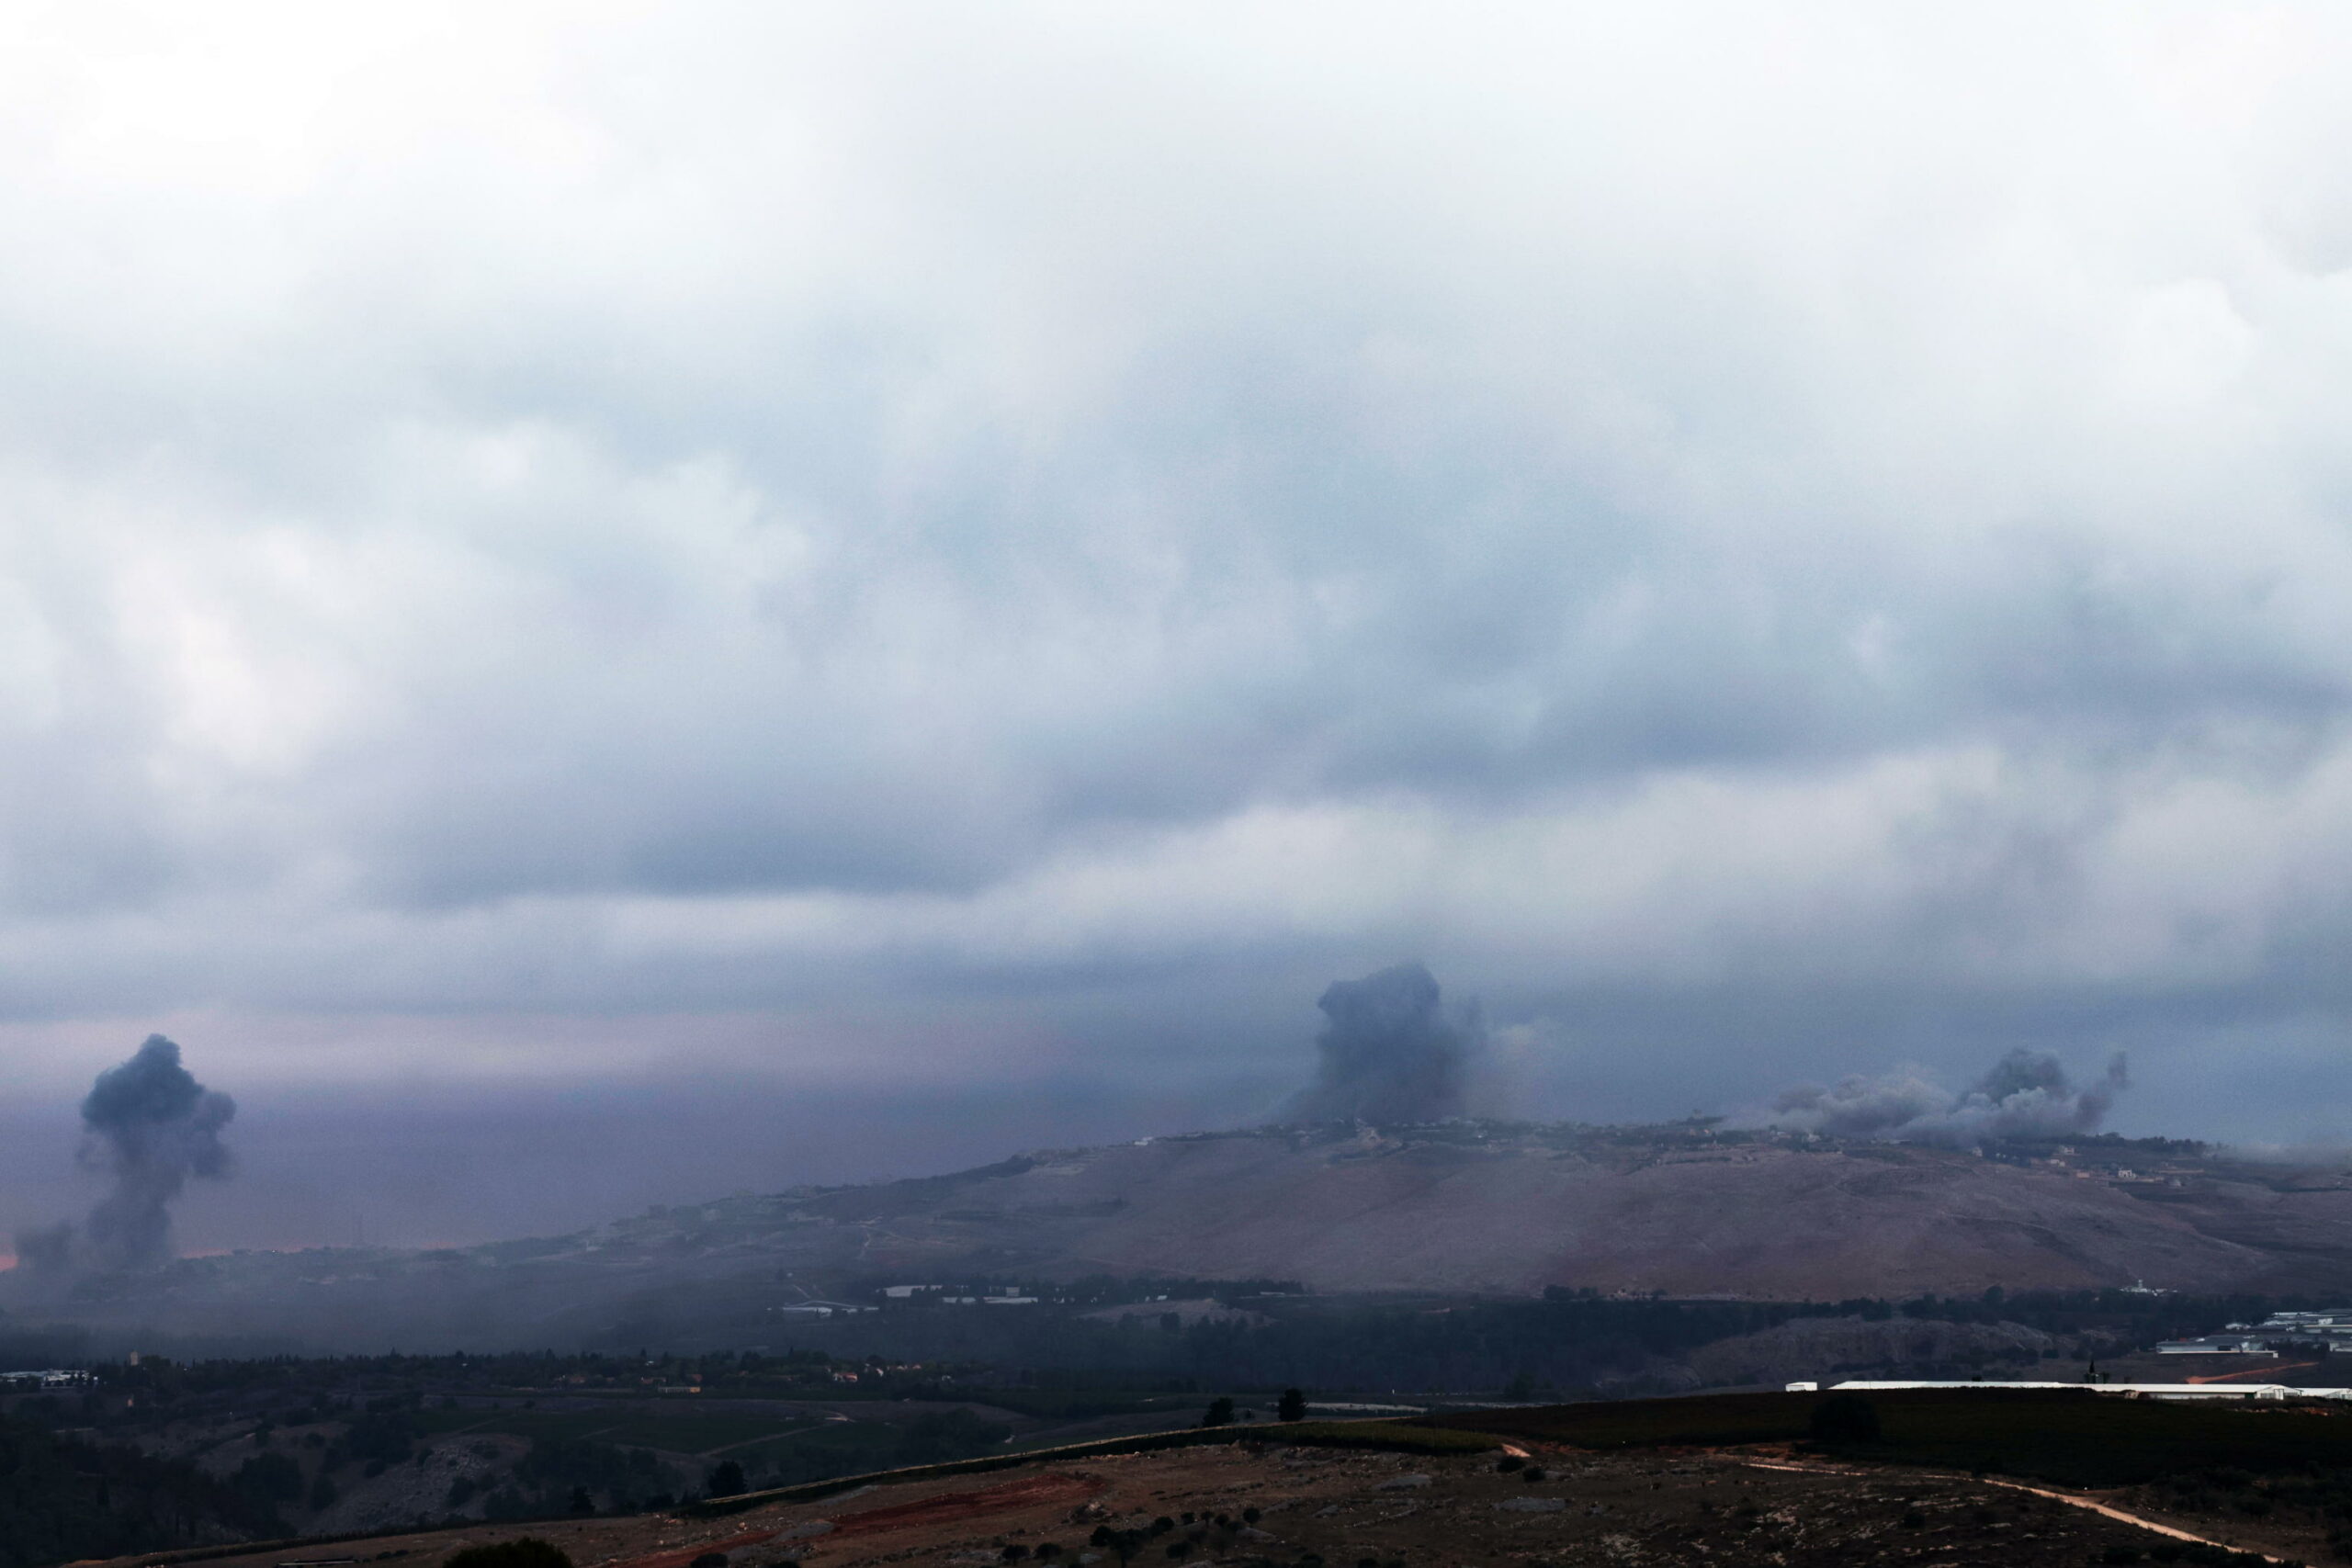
1461	1210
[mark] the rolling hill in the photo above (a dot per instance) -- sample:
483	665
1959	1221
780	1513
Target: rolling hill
1455	1209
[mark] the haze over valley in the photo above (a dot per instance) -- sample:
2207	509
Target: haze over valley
1372	1182
745	749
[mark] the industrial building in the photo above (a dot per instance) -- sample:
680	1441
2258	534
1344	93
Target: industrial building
2331	1329
2118	1390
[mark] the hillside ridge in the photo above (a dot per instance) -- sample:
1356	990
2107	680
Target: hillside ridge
1459	1209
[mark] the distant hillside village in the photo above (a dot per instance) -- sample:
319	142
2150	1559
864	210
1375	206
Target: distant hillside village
2329	1332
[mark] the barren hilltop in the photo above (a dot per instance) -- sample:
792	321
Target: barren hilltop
1461	1208
1689	1209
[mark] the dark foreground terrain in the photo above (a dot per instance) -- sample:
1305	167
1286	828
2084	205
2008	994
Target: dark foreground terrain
1457	1497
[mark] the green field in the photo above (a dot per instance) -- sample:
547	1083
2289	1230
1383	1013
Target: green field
847	1443
2073	1438
689	1433
1077	1404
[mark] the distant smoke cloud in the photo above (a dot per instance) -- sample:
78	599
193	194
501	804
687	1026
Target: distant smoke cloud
150	1125
1391	1051
2027	1095
46	1251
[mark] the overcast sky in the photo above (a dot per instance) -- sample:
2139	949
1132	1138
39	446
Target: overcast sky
906	550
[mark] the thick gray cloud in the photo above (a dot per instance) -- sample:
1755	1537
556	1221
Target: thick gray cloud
867	543
2026	1095
148	1126
1390	1051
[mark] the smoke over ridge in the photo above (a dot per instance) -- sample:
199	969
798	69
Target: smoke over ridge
1389	1051
150	1126
2026	1095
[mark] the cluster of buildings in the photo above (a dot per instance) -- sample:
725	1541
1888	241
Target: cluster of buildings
1004	1295
2331	1329
820	1309
2178	1390
1001	1295
50	1377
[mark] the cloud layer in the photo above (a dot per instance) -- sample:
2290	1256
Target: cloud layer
861	517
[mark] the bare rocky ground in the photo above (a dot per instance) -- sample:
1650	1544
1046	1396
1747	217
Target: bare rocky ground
1233	1505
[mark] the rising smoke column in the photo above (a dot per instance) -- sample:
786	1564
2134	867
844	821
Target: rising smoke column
2027	1095
150	1126
1390	1052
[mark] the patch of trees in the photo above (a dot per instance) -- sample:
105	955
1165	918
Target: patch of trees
268	1480
387	1391
2315	1493
1066	1366
378	1438
1569	1340
63	1500
936	1437
578	1475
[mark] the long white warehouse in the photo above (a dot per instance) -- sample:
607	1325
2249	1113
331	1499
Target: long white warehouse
2127	1390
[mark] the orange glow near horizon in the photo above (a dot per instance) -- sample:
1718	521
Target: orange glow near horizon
2268	1372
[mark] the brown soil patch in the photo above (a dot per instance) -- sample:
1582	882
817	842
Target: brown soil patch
1051	1489
685	1554
1230	1508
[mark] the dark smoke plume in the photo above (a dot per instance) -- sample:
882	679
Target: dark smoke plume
1390	1052
150	1126
2027	1095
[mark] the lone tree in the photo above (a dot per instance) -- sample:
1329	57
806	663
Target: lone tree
1293	1406
1219	1413
725	1480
